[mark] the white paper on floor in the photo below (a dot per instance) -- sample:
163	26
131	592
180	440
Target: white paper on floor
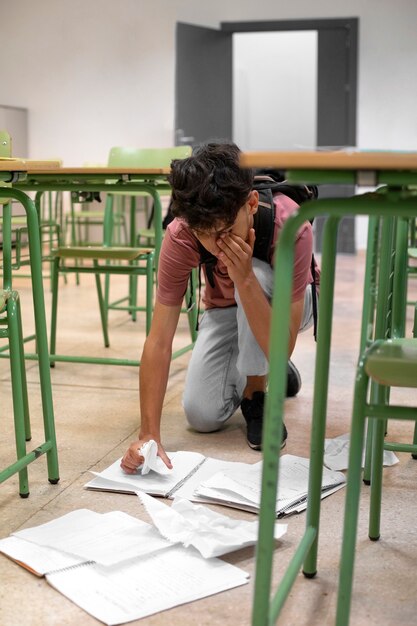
194	525
336	453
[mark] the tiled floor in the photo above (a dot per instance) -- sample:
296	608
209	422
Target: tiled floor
96	409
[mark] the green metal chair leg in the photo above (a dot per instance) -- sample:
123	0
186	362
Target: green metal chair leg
321	390
17	366
54	309
50	446
383	292
352	499
108	227
103	315
376	478
28	433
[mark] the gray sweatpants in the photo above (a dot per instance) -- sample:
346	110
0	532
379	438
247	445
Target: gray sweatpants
225	353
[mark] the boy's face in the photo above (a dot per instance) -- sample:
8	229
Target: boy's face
240	227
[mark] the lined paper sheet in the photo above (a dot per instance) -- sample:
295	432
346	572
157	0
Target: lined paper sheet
148	585
114	477
107	538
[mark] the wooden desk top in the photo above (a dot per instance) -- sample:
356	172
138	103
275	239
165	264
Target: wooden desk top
53	168
101	171
26	165
332	160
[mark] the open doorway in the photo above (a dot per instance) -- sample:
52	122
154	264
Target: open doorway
275	90
204	89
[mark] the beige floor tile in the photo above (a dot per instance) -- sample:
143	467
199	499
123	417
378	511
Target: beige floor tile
97	413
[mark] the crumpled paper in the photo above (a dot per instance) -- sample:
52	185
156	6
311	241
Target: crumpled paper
151	460
194	525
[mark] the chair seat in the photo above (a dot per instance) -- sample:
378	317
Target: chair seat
146	233
393	362
89	214
16	220
109	253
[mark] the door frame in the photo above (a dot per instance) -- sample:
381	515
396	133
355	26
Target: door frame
351	25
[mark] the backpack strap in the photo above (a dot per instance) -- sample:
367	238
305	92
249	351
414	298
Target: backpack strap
264	225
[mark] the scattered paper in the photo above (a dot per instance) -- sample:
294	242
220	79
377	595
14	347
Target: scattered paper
106	538
336	454
194	525
243	488
151	460
133	589
114	478
141	587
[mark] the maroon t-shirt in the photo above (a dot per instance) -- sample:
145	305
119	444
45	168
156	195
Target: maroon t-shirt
180	254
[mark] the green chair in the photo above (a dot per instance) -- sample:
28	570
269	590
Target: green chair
141	158
130	260
105	260
11	330
387	363
387	360
384	306
80	220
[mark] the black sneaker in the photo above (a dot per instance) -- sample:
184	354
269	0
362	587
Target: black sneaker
293	380
253	412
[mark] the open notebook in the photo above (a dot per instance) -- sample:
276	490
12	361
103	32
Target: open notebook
117	568
203	479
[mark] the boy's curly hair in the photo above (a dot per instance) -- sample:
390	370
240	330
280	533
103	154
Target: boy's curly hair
209	187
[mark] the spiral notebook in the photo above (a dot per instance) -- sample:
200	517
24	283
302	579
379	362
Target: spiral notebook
128	588
238	485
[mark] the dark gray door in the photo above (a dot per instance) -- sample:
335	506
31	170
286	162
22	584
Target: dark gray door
336	112
204	89
203	84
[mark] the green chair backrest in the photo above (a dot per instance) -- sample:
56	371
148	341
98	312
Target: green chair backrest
147	157
5	144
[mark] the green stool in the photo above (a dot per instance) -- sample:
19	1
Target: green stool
388	363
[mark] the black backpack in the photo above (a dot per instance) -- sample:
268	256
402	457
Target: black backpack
266	183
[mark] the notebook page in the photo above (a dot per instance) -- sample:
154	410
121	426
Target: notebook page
152	483
107	538
37	559
155	583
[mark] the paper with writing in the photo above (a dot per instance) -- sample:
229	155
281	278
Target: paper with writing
114	478
149	585
106	538
336	453
245	486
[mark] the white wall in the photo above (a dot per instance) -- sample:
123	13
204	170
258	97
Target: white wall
98	73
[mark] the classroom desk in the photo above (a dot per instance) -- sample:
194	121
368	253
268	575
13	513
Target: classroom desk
109	180
106	179
396	171
11	171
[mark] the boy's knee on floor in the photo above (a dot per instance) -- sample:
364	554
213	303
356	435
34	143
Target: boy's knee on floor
201	419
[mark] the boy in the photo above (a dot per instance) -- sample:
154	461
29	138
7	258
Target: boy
214	205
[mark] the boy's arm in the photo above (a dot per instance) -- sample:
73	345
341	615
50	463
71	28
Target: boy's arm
153	378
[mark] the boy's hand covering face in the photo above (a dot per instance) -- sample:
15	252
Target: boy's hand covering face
236	254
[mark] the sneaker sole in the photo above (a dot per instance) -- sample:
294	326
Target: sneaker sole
255	446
